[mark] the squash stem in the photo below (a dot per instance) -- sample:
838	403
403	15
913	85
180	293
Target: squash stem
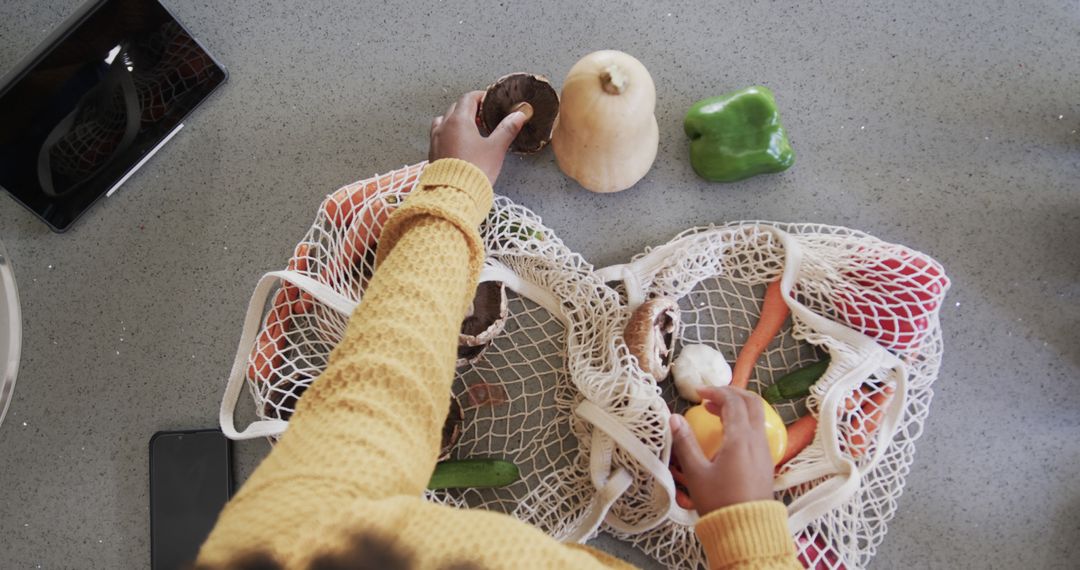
613	80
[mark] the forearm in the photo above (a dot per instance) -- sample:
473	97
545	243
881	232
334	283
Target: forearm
369	425
385	393
748	535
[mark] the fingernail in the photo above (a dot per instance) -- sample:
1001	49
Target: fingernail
524	108
677	423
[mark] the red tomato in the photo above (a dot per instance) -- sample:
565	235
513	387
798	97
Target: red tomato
817	555
895	299
910	277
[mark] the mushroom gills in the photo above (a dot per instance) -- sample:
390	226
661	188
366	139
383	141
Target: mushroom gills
651	333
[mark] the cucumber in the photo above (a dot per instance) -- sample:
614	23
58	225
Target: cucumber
796	384
473	474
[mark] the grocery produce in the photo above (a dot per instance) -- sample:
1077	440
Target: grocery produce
682	498
508	94
699	366
709	430
737	135
800	434
774	311
266	355
484	320
342	206
606	136
302	301
451	430
650	335
796	384
896	298
473	474
866	423
817	554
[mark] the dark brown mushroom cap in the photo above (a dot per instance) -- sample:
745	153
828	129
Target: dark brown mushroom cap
651	333
515	88
487	316
467	355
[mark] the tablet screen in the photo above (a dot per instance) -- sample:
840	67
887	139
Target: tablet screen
95	102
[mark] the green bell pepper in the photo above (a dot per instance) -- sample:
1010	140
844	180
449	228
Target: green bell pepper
737	135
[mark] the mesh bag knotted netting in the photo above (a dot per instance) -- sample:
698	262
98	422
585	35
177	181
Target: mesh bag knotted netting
557	392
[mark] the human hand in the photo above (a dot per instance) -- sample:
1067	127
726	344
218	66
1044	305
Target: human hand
455	135
742	470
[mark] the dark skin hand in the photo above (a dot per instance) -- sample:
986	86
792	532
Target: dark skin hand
742	471
455	135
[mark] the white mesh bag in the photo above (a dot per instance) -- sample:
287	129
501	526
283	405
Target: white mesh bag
517	399
850	297
557	392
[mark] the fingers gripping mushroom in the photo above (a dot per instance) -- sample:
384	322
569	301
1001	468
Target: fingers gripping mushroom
651	333
504	97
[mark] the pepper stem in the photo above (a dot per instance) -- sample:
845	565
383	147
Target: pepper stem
613	80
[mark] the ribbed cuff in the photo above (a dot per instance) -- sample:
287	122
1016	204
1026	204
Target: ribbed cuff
465	178
453	190
744	532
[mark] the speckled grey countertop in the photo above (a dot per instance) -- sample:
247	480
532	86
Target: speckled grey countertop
951	128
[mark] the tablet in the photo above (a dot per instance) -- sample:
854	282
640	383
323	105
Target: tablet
94	102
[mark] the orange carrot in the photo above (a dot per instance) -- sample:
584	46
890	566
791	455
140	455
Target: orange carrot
873	410
299	260
682	498
280	308
855	399
304	304
773	314
342	204
266	354
799	435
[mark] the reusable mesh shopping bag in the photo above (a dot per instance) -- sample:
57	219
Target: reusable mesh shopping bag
516	399
869	305
557	392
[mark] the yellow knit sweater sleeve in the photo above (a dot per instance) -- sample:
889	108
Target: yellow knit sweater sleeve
748	536
365	436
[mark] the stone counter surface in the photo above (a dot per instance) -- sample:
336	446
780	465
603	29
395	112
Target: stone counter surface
951	128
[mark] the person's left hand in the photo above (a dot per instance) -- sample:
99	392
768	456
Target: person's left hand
455	135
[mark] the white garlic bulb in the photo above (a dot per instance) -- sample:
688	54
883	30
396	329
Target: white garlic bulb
699	366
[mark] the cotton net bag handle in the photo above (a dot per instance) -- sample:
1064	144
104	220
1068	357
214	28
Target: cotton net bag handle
322	293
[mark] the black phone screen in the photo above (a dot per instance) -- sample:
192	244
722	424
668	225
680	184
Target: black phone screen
190	482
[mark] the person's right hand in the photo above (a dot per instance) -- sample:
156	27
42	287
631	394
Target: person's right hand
742	470
455	135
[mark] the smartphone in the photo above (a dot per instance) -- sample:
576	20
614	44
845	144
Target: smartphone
190	482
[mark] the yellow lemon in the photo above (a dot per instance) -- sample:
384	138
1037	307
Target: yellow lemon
709	430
